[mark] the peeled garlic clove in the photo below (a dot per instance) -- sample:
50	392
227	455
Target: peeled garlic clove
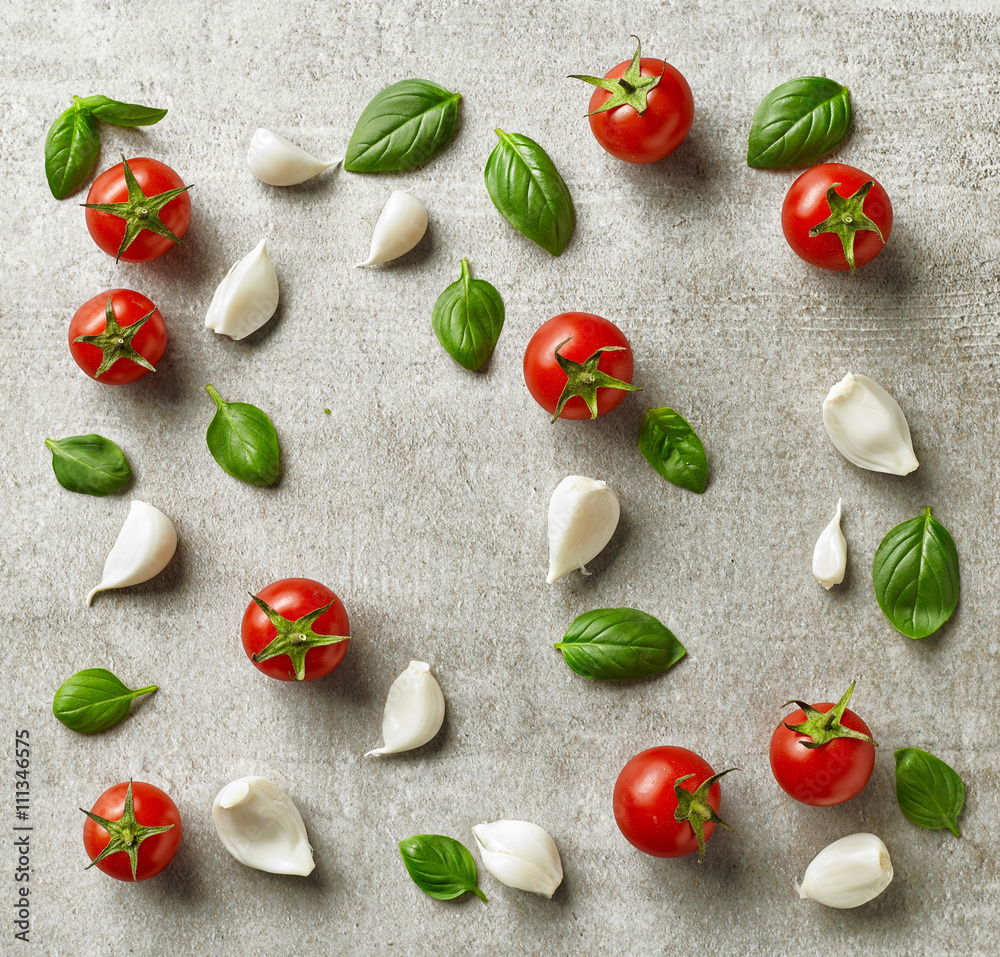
401	225
848	873
520	854
868	427
246	298
278	162
145	544
260	826
583	515
414	710
830	554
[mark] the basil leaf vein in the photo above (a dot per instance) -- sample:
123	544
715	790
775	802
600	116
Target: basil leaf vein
673	448
94	700
243	441
929	792
89	464
467	319
71	146
440	866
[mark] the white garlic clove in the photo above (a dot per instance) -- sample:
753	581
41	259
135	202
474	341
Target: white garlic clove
144	546
414	710
868	427
246	298
260	826
583	515
401	225
279	162
848	873
830	554
521	855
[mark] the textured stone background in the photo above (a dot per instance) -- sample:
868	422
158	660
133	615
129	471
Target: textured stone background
421	498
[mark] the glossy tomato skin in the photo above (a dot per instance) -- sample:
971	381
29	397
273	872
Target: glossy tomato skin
153	177
663	126
823	776
806	206
129	307
152	808
293	598
644	800
587	333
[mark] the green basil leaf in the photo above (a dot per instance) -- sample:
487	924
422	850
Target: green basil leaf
90	464
526	187
71	147
610	644
671	446
122	114
440	866
242	440
797	122
916	576
467	319
403	126
929	792
93	700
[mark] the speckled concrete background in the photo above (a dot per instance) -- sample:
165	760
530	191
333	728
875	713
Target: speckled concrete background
421	497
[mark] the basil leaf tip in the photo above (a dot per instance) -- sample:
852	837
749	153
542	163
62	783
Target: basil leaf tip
467	319
440	866
243	441
929	792
89	464
672	447
94	700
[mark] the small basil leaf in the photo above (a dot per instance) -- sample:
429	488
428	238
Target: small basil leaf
526	187
610	644
916	576
929	792
403	126
122	114
440	866
93	700
671	446
90	464
797	122
242	440
467	319
71	147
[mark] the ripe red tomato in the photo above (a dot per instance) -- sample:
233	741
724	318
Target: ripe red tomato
115	355
646	798
289	638
850	236
145	830
156	210
591	381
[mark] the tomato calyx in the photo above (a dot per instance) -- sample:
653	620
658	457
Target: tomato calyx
847	217
116	341
583	379
139	211
294	638
693	807
126	833
628	90
823	727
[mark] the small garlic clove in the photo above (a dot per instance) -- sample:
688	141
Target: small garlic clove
401	225
521	855
246	298
868	427
279	162
414	710
848	873
260	826
583	515
830	554
144	546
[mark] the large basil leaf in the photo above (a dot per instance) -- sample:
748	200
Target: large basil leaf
526	187
403	126
610	644
440	866
467	319
122	114
93	700
929	792
671	446
242	440
71	146
916	576
797	122
90	464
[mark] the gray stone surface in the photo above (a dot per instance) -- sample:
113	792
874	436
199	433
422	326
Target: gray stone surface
421	497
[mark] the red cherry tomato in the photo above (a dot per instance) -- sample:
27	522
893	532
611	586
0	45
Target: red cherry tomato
129	308
292	599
